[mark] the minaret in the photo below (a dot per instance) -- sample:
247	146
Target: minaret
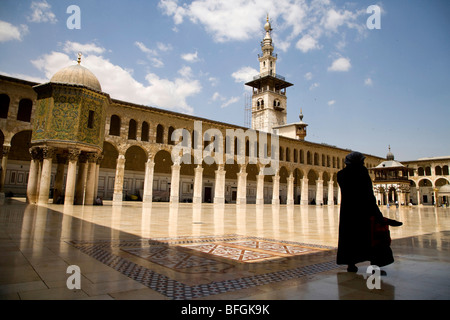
269	89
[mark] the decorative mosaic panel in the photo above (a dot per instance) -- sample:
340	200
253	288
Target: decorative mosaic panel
205	255
63	116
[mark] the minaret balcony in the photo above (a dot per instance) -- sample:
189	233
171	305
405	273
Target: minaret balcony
269	73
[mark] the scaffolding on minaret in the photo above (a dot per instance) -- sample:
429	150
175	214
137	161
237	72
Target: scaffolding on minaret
248	110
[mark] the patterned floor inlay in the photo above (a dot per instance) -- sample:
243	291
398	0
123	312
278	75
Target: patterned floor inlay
202	255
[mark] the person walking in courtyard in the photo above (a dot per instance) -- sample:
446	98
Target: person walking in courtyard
359	214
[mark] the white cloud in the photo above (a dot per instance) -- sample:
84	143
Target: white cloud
334	19
217	96
186	72
308	75
240	20
230	102
244	74
10	32
120	84
42	12
368	82
152	54
144	49
75	47
164	47
313	86
307	43
170	7
340	64
190	57
214	81
331	102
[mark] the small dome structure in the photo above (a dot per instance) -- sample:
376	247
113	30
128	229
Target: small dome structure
77	75
390	155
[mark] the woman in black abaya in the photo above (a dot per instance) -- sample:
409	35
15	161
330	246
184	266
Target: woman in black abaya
358	211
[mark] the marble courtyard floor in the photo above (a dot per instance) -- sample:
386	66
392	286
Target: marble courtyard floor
191	252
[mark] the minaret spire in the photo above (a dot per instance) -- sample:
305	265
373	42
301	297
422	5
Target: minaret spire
269	88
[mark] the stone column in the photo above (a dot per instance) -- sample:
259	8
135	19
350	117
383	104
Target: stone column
59	178
97	174
260	186
242	185
331	193
339	196
5	152
319	192
290	189
80	185
90	181
198	183
304	196
118	181
276	189
71	179
219	188
33	176
148	181
175	184
44	186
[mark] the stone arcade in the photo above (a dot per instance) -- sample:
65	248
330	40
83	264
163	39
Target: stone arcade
69	141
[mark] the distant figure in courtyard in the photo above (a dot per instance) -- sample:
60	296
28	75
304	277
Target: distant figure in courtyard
363	231
98	201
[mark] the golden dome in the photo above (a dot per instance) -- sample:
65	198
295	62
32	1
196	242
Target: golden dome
77	75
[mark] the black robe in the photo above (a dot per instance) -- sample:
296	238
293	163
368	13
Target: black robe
358	210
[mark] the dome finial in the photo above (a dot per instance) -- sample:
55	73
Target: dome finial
301	115
79	57
267	26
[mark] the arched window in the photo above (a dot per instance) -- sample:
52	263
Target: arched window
114	126
316	159
308	158
247	148
4	106
24	113
438	171
169	138
295	156
445	170
288	154
144	132
420	172
132	128
159	134
428	171
281	154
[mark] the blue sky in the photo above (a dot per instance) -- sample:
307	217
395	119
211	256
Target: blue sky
358	88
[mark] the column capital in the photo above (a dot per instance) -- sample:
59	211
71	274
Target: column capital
92	157
100	158
36	153
5	150
48	152
74	154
